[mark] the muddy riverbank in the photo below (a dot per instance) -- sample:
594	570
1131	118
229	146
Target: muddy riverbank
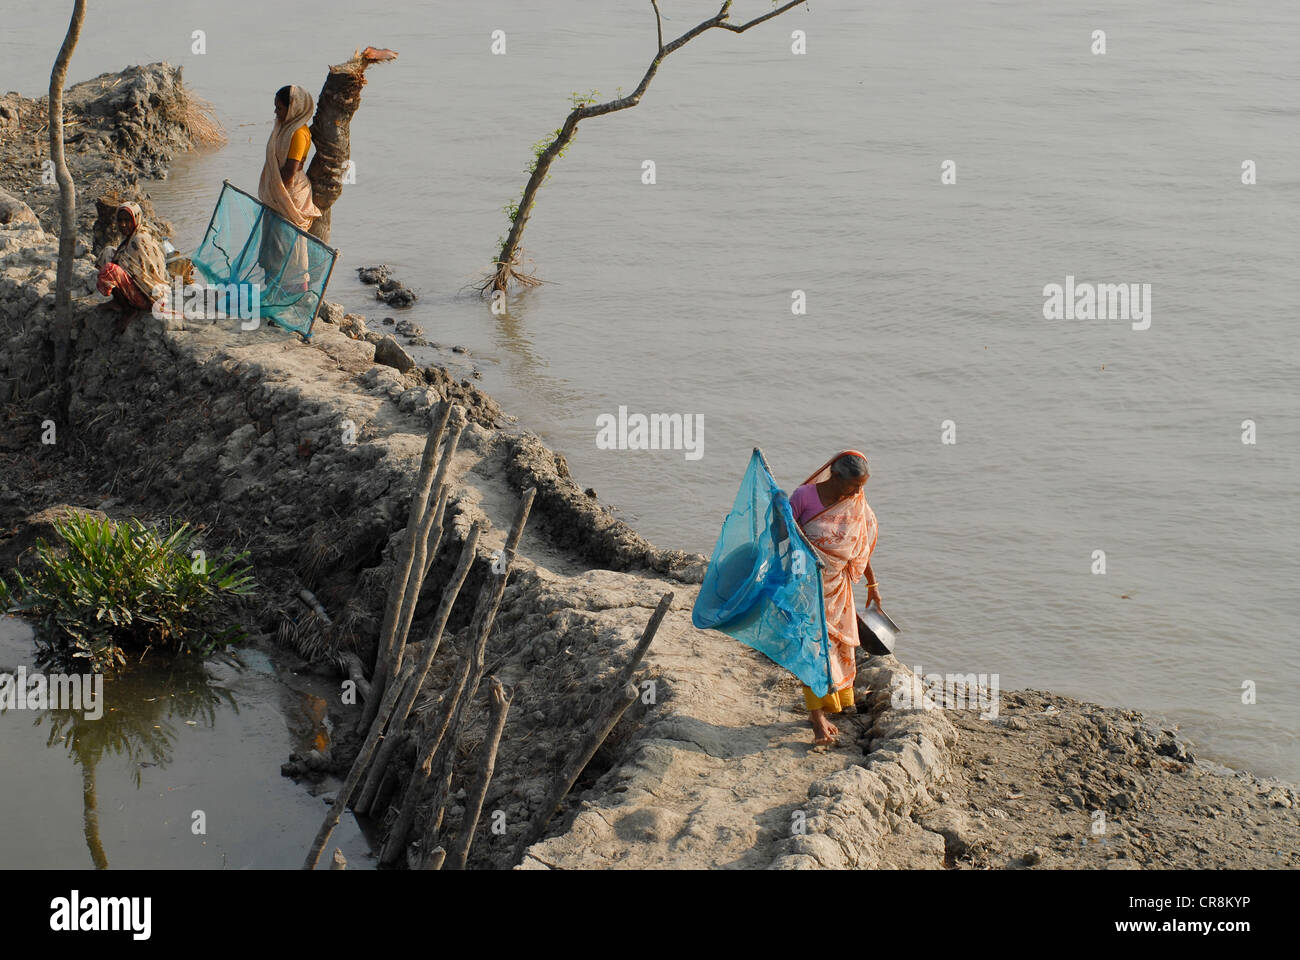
305	454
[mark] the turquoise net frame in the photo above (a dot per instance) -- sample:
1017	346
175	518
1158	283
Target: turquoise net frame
249	243
764	582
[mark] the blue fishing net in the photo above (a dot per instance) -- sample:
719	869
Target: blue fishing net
248	243
764	582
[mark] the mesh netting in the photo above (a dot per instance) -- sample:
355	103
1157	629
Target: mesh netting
247	242
764	583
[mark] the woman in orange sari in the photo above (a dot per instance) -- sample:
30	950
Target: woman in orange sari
833	513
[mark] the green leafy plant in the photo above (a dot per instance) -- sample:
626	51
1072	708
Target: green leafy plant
116	588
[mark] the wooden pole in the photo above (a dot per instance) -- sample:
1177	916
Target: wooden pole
569	775
352	663
358	768
416	786
67	212
431	516
429	772
489	601
314	605
434	860
388	784
648	634
435	533
499	704
626	694
405	558
403	708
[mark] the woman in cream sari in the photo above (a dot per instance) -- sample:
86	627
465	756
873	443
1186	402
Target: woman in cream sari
131	272
833	513
285	189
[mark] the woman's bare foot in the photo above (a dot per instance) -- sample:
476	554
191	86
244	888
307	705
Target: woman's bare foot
824	732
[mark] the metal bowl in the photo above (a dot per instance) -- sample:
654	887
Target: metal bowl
876	631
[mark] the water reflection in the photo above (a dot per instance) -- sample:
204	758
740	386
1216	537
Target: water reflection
528	368
145	708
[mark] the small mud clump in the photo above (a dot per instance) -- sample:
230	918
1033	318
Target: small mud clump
396	294
391	291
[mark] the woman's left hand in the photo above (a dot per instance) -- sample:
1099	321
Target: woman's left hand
873	593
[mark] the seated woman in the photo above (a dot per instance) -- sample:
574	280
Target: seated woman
285	189
834	514
130	272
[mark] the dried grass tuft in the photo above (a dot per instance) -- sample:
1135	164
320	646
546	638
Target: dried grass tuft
315	555
198	117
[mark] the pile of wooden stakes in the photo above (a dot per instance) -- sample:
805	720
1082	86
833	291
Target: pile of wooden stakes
397	682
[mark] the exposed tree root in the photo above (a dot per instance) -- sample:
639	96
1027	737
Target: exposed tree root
506	272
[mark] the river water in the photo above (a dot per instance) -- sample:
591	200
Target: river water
820	172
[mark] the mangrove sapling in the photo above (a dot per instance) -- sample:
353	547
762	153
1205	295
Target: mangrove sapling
109	589
507	266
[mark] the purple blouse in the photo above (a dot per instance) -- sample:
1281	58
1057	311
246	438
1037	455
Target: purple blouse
805	504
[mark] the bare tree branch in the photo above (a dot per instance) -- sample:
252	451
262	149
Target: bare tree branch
508	259
757	20
67	210
659	24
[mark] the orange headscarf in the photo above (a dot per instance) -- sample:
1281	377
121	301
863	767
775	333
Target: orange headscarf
844	534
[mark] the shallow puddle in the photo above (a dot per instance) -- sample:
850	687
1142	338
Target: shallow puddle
181	769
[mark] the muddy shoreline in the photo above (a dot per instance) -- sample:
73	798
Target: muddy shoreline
242	432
